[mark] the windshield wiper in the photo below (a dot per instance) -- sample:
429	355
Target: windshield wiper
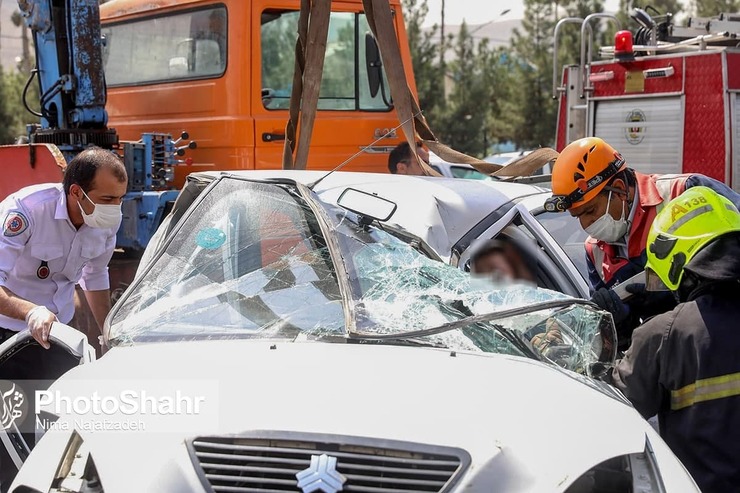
397	341
478	319
515	338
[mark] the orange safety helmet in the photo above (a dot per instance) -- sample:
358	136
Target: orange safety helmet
581	171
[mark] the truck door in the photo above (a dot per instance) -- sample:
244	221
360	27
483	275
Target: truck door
349	116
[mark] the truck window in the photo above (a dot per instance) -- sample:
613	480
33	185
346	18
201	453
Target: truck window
344	84
190	45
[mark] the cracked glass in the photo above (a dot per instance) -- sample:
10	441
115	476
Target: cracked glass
251	260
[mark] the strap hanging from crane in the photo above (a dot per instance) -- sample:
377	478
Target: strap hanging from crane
313	29
313	26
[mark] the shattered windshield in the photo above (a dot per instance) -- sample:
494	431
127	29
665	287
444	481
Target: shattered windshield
251	260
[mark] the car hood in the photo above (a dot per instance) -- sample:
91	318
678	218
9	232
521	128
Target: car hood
528	422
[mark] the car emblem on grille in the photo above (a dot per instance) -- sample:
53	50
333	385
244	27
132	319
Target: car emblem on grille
321	475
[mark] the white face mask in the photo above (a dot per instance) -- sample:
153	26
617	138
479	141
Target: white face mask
606	228
103	216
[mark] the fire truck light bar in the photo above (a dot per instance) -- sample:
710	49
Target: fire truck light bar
656	73
601	76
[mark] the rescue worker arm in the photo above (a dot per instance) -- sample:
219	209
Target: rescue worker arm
96	284
16	232
594	280
14	306
717	186
15	235
99	302
638	374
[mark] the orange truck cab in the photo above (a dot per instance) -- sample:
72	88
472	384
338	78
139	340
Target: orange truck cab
222	70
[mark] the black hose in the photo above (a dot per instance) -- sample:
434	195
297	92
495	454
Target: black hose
25	93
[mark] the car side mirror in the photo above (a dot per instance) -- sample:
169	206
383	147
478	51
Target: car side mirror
373	63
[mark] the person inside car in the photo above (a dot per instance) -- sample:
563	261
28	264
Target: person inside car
501	259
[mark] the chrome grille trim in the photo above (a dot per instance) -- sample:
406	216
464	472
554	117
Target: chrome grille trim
267	462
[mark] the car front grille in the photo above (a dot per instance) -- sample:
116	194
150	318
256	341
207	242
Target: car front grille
270	462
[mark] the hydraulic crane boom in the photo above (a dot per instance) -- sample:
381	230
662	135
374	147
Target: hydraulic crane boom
70	73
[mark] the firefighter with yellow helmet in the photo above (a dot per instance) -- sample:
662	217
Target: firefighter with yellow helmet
683	365
616	206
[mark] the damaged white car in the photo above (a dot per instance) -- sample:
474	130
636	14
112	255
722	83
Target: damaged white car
276	342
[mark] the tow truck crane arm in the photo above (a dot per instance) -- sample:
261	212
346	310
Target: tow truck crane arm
70	73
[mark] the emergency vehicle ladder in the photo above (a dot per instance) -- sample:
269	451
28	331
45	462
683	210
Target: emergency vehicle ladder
576	83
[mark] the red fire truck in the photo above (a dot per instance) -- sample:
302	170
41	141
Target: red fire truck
666	96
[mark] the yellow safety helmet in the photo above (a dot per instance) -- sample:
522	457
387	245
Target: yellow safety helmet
681	229
581	171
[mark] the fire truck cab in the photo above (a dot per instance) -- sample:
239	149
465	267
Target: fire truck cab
665	97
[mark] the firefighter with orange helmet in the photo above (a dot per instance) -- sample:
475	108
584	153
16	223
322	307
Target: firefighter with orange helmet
616	205
682	365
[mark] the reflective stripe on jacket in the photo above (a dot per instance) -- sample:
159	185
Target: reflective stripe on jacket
683	366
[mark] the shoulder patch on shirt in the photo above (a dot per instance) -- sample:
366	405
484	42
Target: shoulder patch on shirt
15	223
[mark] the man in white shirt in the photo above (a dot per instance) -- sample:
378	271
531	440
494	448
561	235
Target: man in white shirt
56	235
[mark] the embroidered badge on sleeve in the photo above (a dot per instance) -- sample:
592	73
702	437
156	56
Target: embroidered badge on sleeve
15	223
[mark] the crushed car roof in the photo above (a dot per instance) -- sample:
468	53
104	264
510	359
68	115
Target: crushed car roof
440	210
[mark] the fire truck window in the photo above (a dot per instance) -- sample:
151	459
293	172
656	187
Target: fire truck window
344	83
180	46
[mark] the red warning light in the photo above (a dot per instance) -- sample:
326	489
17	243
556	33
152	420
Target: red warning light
189	161
623	46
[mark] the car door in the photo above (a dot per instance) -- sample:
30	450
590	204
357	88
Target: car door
69	348
554	269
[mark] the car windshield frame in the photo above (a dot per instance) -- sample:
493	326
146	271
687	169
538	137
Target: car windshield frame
389	291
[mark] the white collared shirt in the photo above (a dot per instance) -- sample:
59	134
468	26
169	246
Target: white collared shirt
43	256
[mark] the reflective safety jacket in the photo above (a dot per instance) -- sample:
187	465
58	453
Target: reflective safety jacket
684	366
608	266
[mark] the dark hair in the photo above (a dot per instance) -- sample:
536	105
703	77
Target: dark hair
82	169
402	152
627	175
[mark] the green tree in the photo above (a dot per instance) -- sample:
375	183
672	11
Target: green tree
468	107
533	51
425	61
13	115
6	132
712	8
569	42
26	60
500	78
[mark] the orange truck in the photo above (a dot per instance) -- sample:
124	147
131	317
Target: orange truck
222	70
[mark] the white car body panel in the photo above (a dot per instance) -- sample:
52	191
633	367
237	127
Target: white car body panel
320	382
